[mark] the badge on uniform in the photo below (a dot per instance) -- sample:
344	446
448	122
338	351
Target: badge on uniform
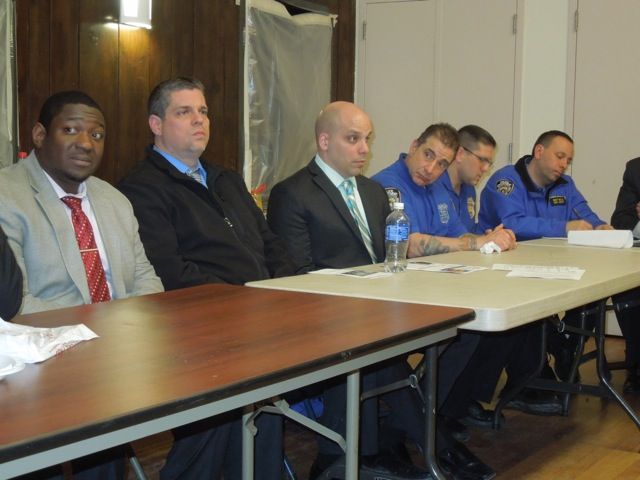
471	207
443	211
557	200
393	194
505	186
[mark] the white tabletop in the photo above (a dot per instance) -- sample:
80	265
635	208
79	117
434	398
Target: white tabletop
500	302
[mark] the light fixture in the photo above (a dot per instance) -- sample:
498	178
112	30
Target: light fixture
136	13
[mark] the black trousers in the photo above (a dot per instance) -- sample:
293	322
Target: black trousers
211	448
629	321
515	350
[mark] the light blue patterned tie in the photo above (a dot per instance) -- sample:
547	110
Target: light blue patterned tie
347	188
195	174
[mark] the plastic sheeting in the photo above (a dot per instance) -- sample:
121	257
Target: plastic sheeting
7	156
288	81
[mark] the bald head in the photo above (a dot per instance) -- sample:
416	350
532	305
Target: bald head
342	135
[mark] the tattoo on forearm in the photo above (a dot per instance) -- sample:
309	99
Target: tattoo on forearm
432	246
471	241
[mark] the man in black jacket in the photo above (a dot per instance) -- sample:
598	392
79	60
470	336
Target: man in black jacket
627	217
331	216
199	225
10	281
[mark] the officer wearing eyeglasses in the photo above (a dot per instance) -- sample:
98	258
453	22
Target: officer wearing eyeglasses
435	224
473	160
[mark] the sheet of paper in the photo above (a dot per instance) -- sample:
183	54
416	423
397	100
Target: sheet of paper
541	271
443	267
601	238
351	272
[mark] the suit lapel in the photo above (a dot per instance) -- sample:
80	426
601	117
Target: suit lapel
53	209
334	195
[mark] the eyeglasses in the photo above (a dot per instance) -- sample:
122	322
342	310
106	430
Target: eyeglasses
484	160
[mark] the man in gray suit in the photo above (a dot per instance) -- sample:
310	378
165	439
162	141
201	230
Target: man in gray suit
69	142
41	228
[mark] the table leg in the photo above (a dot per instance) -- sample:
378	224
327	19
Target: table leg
248	429
430	406
352	427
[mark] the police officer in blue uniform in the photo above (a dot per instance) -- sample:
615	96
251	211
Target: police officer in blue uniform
536	199
436	228
473	159
412	179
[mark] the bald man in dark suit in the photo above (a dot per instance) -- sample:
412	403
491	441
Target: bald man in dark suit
331	216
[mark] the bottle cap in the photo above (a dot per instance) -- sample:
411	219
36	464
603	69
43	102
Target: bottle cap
398	206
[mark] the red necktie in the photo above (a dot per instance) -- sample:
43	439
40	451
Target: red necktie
96	278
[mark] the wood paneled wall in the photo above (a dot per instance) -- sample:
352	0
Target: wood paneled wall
77	44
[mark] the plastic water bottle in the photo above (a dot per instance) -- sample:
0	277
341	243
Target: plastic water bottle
396	239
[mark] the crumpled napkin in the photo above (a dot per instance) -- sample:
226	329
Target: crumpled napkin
32	344
490	247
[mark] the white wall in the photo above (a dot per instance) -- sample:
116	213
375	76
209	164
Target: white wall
544	70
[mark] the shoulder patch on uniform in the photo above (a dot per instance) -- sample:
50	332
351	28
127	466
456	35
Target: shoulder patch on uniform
557	200
505	186
393	194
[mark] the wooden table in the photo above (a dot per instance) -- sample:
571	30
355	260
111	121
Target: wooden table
502	303
169	359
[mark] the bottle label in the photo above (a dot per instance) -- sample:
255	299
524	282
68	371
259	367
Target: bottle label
397	233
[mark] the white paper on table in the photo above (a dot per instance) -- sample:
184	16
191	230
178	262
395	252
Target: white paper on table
351	272
443	267
541	271
32	344
601	238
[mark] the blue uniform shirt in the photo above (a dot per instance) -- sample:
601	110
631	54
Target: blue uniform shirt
430	209
511	198
464	204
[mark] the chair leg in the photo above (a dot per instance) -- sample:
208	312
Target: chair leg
288	469
136	467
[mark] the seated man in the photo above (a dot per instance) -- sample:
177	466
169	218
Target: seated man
535	198
473	159
627	217
199	225
436	228
435	225
74	236
330	216
10	281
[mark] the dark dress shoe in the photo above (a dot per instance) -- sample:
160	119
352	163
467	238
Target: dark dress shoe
372	467
536	402
456	429
632	383
479	416
386	467
461	464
